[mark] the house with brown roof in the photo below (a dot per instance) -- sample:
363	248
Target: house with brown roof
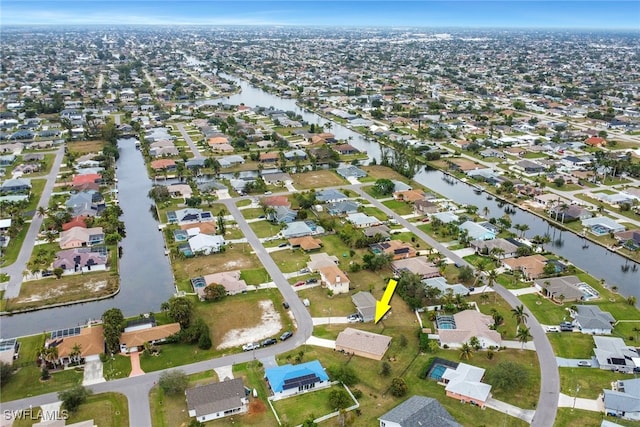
270	157
345	149
164	164
334	279
397	249
231	281
410	196
78	237
130	341
424	207
90	342
217	400
217	140
275	201
417	265
77	221
306	243
595	141
363	343
89	178
531	266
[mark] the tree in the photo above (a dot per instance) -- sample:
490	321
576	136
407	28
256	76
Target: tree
520	316
474	342
221	224
345	374
73	398
179	310
466	351
376	262
215	292
339	399
196	423
523	335
398	387
76	352
173	382
6	372
112	320
465	273
631	300
58	272
383	187
507	376
385	369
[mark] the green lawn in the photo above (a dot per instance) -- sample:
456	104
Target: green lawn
37	187
115	367
244	202
373	211
251	213
10	253
399	207
547	312
264	228
573	345
295	410
255	276
340	305
568	418
290	260
107	409
590	380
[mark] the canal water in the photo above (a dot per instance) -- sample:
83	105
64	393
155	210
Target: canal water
146	278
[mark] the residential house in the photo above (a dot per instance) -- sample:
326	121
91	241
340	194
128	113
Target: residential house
417	265
613	354
365	305
548	200
7	159
530	167
131	340
275	201
346	149
464	384
189	216
180	190
565	288
231	281
418	411
269	157
288	380
295	154
231	160
531	266
397	249
351	171
424	207
90	342
299	229
334	279
445	217
595	141
624	400
329	196
206	244
399	186
343	207
282	215
78	237
440	283
86	203
217	400
168	165
276	178
486	247
80	260
382	231
88	178
363	343
306	243
630	239
361	220
319	260
9	350
16	186
568	213
590	319
602	225
476	231
410	196
468	324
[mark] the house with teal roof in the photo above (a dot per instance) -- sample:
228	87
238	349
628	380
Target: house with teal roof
288	380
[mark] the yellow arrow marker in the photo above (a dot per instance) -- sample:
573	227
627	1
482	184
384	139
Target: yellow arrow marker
383	306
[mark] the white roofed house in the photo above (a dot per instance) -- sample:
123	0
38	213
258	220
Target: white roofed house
206	244
464	383
467	324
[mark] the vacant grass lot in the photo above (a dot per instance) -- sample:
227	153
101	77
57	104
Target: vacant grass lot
317	179
251	213
572	345
568	418
295	410
590	380
547	312
83	147
290	260
321	303
38	293
255	276
383	172
401	208
236	257
264	228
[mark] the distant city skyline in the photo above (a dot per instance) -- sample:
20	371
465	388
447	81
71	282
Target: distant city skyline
616	15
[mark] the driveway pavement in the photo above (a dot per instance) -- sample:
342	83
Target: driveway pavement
573	363
92	371
321	342
524	414
595	405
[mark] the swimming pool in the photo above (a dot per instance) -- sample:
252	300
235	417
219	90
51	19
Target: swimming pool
599	230
445	322
437	371
438	367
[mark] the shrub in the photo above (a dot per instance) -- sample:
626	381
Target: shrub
173	382
398	387
73	398
339	399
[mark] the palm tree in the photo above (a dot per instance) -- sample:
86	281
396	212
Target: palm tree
42	211
484	297
485	211
636	329
520	315
523	229
523	336
76	352
480	268
466	351
474	342
631	300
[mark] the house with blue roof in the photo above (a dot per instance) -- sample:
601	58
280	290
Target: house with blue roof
329	196
351	172
343	207
288	380
282	214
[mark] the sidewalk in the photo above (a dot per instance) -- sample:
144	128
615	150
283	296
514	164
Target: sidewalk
514	411
321	342
518	345
595	405
524	291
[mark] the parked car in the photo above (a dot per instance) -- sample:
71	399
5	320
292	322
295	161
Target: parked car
268	193
283	245
269	341
304	271
584	363
286	336
300	283
553	329
425	219
355	317
312	280
566	327
250	346
285	305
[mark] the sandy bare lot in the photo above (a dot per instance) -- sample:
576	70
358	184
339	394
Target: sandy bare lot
270	325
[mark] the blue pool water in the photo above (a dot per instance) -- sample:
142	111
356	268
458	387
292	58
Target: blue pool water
437	371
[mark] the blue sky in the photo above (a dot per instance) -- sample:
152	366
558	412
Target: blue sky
518	14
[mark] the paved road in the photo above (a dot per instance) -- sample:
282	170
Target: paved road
192	145
547	406
15	270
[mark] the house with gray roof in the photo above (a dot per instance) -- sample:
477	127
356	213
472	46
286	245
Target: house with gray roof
361	220
601	222
217	400
351	172
343	207
329	196
477	232
418	411
613	354
378	230
593	321
624	400
446	217
16	185
80	260
296	229
231	160
485	247
365	305
282	214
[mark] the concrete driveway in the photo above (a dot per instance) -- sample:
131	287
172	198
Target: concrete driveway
514	411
